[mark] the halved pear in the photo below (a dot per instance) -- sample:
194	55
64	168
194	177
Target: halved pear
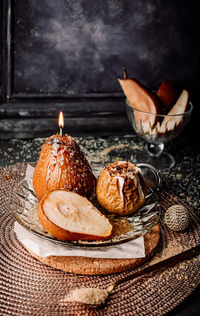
168	94
142	100
69	216
179	108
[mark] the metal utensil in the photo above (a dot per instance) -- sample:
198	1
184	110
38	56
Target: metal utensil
96	297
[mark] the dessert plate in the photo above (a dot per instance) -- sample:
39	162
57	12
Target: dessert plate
23	206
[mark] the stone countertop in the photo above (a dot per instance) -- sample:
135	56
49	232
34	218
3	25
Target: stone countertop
183	179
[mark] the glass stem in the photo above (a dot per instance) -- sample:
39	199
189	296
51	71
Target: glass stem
154	149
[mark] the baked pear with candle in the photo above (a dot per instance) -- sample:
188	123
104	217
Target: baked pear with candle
62	165
121	188
69	216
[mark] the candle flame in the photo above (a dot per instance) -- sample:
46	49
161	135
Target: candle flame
61	120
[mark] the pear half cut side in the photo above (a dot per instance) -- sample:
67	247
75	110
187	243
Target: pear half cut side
69	216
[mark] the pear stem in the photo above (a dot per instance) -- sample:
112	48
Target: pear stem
125	73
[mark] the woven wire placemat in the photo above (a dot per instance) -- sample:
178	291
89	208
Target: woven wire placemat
28	287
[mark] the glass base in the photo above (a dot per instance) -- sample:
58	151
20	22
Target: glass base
163	162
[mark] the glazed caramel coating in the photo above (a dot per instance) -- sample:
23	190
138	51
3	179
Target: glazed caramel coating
124	198
62	165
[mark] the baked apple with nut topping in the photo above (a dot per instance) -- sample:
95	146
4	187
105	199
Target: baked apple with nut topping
121	188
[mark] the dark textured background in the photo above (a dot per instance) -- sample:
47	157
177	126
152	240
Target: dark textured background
69	54
80	47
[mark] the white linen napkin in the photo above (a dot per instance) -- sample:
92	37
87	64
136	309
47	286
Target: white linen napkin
46	248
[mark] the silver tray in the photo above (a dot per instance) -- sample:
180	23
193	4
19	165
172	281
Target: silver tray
23	206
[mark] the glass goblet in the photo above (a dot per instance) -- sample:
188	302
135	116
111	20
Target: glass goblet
156	130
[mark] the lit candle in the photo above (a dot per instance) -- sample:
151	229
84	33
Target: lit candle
61	122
